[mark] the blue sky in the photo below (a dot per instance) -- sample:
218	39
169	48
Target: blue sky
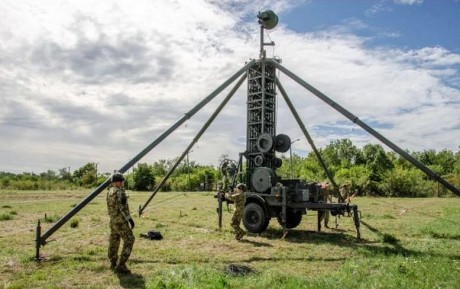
387	23
85	81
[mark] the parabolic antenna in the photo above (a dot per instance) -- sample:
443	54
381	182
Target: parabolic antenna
268	19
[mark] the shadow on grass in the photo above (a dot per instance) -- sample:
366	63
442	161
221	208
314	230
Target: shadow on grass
131	280
293	258
444	236
255	243
301	236
387	245
395	248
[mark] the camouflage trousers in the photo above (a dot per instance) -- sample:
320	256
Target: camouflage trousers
120	230
326	218
236	221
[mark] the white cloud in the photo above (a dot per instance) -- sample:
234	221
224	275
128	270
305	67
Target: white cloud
408	2
377	8
98	81
384	6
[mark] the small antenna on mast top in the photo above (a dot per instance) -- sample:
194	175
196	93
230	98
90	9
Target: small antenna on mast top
267	20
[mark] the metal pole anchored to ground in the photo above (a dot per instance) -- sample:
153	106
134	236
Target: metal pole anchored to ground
38	233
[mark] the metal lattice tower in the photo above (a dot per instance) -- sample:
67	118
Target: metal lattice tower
261	118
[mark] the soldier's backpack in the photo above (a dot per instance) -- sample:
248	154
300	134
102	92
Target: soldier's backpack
152	235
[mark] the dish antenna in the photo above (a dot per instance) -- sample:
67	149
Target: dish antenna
267	20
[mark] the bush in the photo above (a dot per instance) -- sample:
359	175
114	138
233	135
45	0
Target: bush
74	223
5	217
51	219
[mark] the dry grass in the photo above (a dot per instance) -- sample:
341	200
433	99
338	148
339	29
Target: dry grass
194	254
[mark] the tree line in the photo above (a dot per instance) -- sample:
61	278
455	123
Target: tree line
369	171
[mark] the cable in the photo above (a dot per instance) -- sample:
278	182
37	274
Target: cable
165	200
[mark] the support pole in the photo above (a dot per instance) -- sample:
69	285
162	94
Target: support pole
367	128
219	210
356	220
128	165
38	233
284	211
305	132
318	219
197	137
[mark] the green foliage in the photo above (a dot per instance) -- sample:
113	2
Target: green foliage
342	153
6	217
404	183
370	170
51	219
74	223
358	176
143	177
86	175
377	161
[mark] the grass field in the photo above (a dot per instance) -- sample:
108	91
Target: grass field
406	243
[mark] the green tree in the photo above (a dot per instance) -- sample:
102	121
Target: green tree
310	169
342	153
143	177
446	160
377	162
64	174
159	168
48	175
86	175
359	176
285	170
206	177
401	182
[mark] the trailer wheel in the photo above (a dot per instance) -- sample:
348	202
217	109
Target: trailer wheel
254	218
293	219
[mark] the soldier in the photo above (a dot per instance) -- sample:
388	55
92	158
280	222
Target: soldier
327	199
121	225
239	198
345	191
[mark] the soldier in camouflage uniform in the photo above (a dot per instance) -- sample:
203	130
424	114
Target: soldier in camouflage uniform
239	198
327	199
345	192
121	225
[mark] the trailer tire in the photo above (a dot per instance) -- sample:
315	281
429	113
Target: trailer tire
254	218
293	219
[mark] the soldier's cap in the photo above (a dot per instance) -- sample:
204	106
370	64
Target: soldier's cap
241	186
117	177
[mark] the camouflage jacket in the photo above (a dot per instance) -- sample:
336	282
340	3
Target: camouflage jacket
238	198
117	204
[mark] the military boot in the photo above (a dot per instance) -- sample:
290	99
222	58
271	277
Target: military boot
240	235
122	269
113	265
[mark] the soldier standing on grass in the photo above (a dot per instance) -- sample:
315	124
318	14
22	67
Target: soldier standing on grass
327	199
239	198
345	192
121	225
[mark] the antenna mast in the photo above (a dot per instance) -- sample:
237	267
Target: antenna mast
267	20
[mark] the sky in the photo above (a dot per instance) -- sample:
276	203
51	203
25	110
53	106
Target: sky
98	81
